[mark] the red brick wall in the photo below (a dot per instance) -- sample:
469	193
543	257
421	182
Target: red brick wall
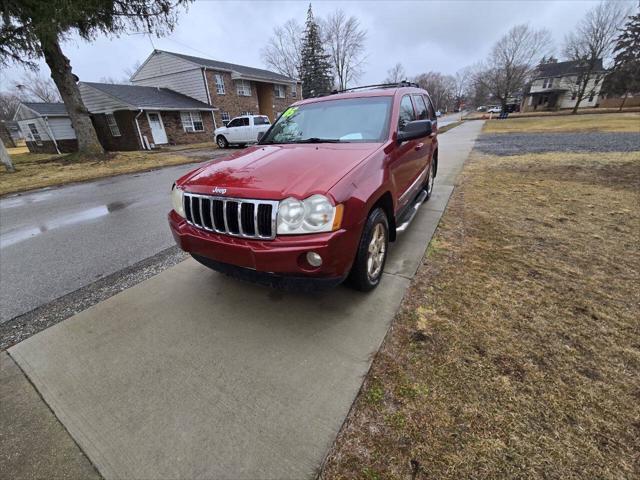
47	146
234	105
175	131
128	139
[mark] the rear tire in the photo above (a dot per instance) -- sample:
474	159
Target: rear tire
372	251
222	142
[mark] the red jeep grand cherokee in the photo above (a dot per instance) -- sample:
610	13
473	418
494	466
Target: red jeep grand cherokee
318	199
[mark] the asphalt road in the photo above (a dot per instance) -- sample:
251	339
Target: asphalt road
55	241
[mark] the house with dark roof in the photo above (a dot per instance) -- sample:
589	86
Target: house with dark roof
46	127
555	85
126	117
232	89
134	117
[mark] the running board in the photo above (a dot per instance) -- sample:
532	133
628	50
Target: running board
422	196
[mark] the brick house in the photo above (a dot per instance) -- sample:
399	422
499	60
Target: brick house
126	117
133	117
555	86
233	89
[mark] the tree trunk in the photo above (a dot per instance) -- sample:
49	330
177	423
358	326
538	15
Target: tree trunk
626	94
65	80
5	159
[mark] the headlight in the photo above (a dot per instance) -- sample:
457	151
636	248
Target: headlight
312	215
176	200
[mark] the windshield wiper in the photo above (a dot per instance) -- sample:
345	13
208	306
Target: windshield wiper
318	140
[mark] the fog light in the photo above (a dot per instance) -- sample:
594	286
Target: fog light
314	259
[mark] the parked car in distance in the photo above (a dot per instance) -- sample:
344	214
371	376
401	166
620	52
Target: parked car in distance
438	113
481	108
494	110
320	197
242	130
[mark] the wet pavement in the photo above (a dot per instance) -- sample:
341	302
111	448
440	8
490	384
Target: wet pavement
55	241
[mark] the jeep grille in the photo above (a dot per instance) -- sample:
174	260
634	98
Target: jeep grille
239	217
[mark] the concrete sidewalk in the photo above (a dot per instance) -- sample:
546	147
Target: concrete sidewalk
191	374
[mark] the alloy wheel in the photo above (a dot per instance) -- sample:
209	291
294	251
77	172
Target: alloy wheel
376	252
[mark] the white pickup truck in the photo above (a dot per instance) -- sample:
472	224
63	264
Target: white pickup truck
242	130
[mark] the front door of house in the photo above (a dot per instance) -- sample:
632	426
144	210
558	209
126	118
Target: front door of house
157	128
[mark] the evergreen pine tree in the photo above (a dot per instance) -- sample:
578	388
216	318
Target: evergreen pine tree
315	69
625	76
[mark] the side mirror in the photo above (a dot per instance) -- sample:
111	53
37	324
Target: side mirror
260	135
415	129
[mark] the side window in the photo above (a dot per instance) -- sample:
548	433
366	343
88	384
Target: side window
432	111
421	107
236	122
260	121
406	112
245	121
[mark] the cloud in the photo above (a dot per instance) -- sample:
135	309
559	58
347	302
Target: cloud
422	35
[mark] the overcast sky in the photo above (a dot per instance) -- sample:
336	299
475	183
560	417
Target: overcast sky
422	35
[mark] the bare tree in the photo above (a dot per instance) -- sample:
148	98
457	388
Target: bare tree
344	39
591	43
5	159
35	87
282	52
130	71
441	88
511	62
396	74
461	85
9	102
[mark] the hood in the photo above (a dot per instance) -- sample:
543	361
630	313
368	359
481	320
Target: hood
278	171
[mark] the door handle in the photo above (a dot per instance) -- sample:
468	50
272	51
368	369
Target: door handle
419	146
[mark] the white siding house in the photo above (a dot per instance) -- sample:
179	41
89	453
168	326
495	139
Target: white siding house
46	127
163	69
556	84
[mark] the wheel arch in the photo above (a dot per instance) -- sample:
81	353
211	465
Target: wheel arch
385	201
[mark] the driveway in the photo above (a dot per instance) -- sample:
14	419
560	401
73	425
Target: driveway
190	374
57	240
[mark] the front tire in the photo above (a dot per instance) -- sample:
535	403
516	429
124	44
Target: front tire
372	253
222	142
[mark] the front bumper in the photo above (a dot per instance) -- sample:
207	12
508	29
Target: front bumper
282	256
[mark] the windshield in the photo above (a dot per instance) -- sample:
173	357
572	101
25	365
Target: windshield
333	121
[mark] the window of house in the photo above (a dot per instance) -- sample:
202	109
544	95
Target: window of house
35	135
294	90
574	95
246	113
225	118
547	83
192	121
279	90
113	125
592	96
406	112
219	84
421	107
243	88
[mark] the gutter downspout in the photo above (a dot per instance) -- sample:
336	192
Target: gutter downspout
53	138
138	128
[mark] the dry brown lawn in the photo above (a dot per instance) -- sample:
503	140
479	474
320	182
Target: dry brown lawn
614	122
34	170
516	352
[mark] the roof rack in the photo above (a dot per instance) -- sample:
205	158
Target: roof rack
403	83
